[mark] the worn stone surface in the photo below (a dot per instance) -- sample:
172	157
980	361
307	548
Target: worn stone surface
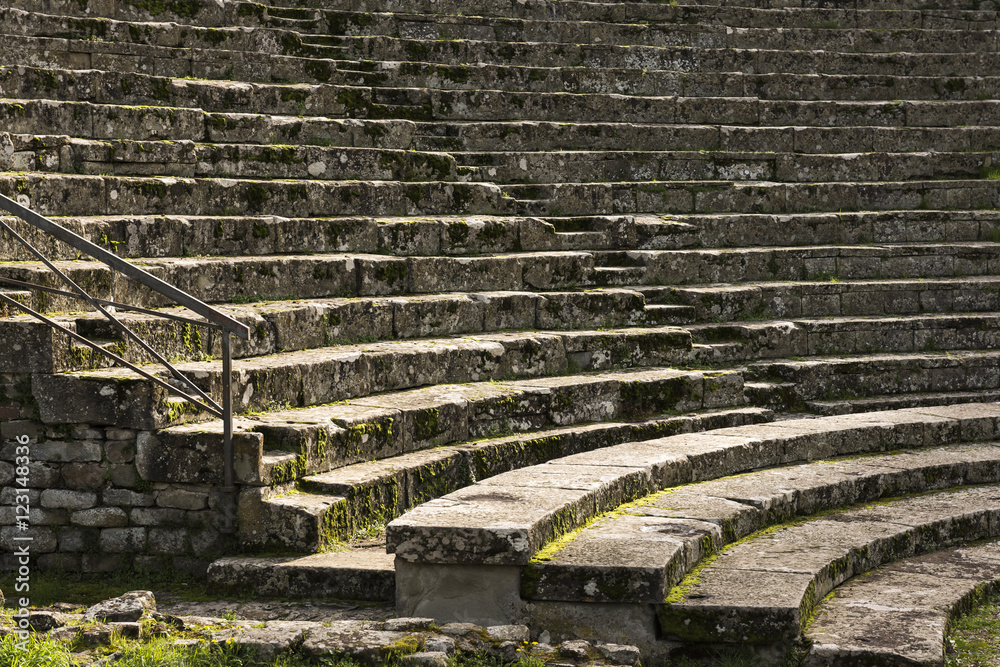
127	608
901	611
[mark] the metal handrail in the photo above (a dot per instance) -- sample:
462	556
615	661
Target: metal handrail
216	320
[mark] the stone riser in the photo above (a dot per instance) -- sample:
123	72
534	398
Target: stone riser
484	136
300	325
111	122
349	371
168	62
491	105
211	14
805	338
286	445
244	279
862	298
715	197
880	375
826	264
176	236
111	195
582	167
738	231
183	159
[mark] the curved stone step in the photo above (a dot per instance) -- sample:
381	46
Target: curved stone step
709	197
250	279
354	574
830	378
340	504
817	263
923	594
854	298
852	335
323	375
112	121
286	326
104	87
847	228
637	554
635	166
119	195
897	401
764	589
137	237
325	437
509	518
583	135
204	12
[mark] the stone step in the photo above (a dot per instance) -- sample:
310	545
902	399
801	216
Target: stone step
499	8
494	527
709	197
151	123
47	153
741	230
797	566
121	195
348	574
867	375
823	263
638	554
103	87
869	30
285	326
721	72
560	48
162	236
245	279
204	12
542	135
111	122
282	446
635	166
897	402
924	594
314	377
543	502
851	335
454	19
780	85
359	499
168	158
765	301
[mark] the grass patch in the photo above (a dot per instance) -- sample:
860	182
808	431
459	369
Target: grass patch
47	588
974	639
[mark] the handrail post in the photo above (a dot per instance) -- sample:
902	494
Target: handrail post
229	490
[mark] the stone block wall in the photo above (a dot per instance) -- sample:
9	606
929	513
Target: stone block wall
91	511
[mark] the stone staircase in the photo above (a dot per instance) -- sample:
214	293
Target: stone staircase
522	280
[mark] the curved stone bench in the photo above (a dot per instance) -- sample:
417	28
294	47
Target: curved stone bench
763	590
638	554
899	614
484	533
